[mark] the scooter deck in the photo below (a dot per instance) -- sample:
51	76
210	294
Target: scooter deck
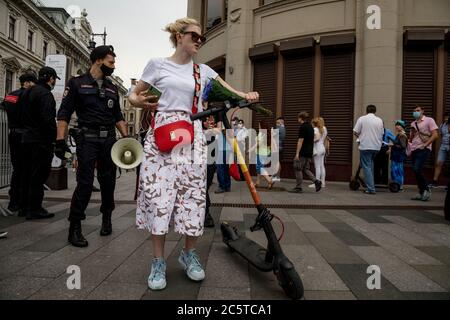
253	252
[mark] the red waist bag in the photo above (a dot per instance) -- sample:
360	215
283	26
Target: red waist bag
179	133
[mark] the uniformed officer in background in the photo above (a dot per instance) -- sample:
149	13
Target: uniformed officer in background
38	114
11	105
95	99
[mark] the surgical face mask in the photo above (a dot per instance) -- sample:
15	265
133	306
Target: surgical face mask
417	115
107	71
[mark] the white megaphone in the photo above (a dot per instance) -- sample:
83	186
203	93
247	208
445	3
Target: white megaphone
127	153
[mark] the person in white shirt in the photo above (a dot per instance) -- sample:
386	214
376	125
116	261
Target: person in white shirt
370	130
171	184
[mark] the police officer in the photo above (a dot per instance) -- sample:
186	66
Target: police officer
11	104
38	114
96	102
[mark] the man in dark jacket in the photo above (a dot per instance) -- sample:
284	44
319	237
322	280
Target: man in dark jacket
39	120
11	104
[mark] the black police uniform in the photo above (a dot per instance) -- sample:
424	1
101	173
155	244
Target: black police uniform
38	113
98	111
11	104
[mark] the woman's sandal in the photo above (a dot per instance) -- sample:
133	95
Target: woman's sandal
271	185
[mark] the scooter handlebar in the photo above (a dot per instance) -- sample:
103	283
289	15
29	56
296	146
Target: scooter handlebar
216	109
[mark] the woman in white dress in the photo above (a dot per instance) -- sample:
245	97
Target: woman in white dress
172	185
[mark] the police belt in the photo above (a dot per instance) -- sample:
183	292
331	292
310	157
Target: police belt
101	132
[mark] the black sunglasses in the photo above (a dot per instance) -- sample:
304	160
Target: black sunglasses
195	36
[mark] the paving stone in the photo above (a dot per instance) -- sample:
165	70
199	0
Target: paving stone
369	216
333	250
420	296
380	216
18	261
405	235
126	243
111	291
94	270
404	251
93	211
403	276
316	273
307	223
348	235
439	253
21	287
329	295
445	229
421	229
56	242
439	213
232	214
225	269
233	294
355	277
439	274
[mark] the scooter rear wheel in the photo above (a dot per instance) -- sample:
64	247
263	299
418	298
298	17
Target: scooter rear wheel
291	283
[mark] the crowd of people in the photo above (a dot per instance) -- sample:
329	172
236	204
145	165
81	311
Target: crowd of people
172	188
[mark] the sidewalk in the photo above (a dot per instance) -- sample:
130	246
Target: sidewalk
335	195
332	244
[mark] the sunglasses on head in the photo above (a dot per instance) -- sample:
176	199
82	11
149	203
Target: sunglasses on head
195	36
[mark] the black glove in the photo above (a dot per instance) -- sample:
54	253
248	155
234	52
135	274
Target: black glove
61	148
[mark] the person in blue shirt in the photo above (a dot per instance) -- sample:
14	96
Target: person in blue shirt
382	159
398	155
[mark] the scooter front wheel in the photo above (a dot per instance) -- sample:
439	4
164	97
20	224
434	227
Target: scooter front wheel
291	283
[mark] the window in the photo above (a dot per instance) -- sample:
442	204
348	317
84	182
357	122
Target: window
30	40
131	117
9	81
12	28
45	50
264	2
215	12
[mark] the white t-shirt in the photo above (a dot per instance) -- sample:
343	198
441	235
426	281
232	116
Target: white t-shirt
177	83
370	129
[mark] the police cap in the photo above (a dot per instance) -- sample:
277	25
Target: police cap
47	72
101	52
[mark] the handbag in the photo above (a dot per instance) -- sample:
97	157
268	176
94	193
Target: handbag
178	133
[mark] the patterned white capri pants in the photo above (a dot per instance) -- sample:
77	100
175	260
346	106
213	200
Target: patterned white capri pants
173	184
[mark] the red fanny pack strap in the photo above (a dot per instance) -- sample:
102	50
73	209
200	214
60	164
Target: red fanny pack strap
198	88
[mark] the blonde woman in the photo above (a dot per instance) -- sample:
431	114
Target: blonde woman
167	185
320	136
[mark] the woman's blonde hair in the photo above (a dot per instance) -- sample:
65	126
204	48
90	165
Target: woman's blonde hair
319	123
180	26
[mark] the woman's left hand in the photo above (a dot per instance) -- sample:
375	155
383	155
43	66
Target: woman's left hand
252	97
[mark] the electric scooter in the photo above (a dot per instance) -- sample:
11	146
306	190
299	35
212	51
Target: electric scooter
267	259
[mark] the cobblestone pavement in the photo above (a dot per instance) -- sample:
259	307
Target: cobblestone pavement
332	244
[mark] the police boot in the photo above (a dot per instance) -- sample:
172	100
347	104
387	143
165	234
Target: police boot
75	236
106	225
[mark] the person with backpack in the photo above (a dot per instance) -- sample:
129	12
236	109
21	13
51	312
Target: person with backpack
397	152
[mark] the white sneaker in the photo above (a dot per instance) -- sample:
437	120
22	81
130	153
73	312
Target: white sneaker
191	264
157	278
312	186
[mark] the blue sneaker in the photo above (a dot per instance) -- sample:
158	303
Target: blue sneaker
191	264
157	278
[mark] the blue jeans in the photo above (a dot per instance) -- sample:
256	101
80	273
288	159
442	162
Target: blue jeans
419	157
223	173
368	165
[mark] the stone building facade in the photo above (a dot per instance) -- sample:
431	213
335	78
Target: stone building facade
332	58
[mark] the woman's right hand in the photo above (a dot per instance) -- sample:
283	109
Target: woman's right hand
143	101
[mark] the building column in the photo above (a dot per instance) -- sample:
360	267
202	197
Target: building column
379	54
240	40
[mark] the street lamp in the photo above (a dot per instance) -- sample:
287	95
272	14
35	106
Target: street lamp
92	43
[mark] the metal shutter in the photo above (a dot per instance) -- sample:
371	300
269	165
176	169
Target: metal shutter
419	84
447	83
265	82
298	96
337	107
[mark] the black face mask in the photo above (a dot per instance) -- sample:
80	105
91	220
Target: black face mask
107	71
